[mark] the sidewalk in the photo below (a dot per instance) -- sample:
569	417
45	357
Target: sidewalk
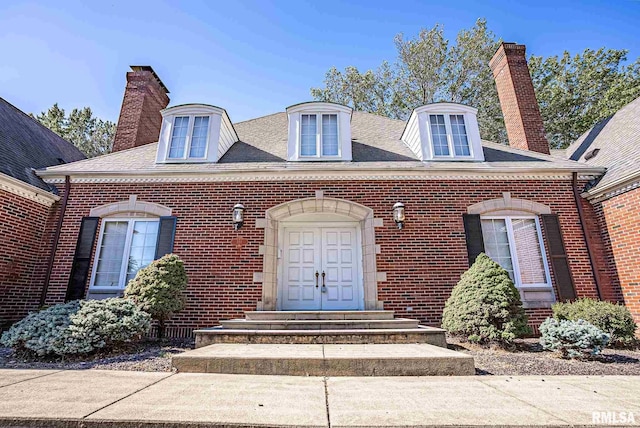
94	398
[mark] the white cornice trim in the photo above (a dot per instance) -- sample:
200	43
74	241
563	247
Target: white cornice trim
314	175
27	191
614	188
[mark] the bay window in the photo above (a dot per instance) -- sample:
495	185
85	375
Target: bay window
515	243
124	247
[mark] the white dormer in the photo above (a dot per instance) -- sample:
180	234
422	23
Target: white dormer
194	133
444	132
319	131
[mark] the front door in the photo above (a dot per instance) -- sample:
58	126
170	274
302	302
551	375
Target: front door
321	269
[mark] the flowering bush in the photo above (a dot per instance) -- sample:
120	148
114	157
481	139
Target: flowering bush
573	339
77	327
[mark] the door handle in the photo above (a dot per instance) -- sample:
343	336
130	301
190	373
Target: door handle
317	275
323	287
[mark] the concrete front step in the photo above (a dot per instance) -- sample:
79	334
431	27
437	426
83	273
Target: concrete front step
421	334
319	315
306	324
326	360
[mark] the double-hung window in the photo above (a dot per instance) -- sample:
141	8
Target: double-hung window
449	135
515	243
319	135
124	247
189	137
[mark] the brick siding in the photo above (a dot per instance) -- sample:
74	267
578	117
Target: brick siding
423	261
23	256
619	220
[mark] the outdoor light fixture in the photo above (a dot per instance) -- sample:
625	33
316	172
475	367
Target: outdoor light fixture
238	216
398	214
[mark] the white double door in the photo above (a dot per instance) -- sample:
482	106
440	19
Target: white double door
321	269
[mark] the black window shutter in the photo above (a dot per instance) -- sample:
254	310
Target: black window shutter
559	261
473	232
166	234
82	258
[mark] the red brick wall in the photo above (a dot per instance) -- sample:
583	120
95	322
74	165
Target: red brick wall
22	233
620	222
517	99
423	261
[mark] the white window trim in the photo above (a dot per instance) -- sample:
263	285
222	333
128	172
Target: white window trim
319	154
188	138
450	142
127	252
513	251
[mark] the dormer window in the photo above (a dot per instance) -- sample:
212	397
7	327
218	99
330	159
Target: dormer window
319	135
189	137
194	133
444	132
449	135
319	131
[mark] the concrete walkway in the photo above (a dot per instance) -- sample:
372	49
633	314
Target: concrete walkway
94	398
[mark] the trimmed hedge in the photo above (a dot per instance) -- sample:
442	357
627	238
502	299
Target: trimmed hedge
612	318
77	327
485	306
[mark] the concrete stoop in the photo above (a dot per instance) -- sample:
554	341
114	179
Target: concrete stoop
420	359
323	343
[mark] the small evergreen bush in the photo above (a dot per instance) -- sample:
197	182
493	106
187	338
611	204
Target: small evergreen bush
485	306
157	289
573	339
78	327
612	318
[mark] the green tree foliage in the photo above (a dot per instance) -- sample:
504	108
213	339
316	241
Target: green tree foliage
91	135
157	289
573	92
485	306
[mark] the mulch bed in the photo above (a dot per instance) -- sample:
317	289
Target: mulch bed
528	358
148	356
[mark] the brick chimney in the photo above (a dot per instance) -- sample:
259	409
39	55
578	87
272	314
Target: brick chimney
517	99
140	119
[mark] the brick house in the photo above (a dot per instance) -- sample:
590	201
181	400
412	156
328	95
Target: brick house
614	143
323	208
26	206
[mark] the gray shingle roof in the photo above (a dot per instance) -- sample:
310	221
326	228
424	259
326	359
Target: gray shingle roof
618	140
263	145
26	144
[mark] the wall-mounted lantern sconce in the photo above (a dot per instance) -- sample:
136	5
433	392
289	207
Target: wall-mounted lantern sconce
398	214
238	216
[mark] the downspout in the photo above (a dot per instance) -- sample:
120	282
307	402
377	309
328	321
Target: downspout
56	238
587	239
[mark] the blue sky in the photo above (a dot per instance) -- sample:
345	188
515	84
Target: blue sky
256	58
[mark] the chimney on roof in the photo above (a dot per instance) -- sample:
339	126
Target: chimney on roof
517	99
140	119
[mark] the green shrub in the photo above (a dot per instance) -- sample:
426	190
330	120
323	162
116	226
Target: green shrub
573	339
157	289
78	327
614	319
485	306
